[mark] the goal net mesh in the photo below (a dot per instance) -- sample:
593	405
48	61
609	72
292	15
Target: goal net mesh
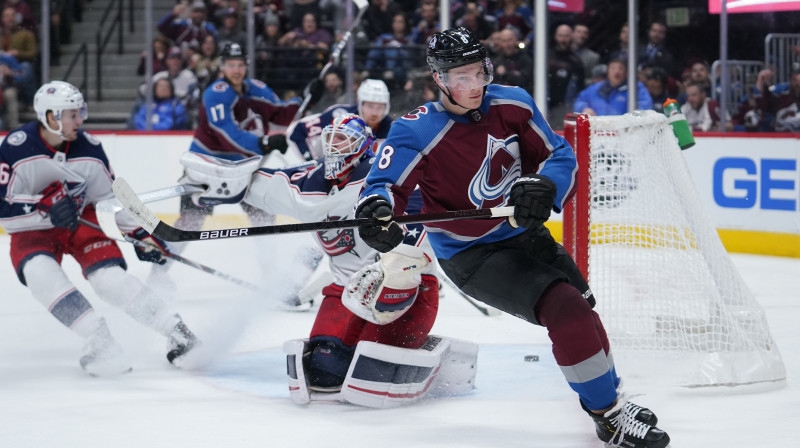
671	300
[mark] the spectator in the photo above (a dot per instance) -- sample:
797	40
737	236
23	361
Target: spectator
230	31
619	48
334	89
268	56
782	102
565	75
419	89
183	80
300	8
205	63
655	53
599	73
187	31
309	35
513	66
427	23
390	60
160	46
25	16
10	94
610	97
698	73
378	18
20	44
168	114
475	21
589	58
656	83
313	42
515	14
702	113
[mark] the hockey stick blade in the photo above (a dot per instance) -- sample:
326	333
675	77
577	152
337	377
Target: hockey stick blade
150	222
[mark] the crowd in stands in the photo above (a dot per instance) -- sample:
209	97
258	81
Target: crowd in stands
294	39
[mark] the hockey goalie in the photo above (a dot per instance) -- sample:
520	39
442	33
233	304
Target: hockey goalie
370	343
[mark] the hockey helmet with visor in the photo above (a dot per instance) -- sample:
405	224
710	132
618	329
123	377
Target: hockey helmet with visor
344	142
456	48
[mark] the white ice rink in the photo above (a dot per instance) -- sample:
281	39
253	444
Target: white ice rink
241	399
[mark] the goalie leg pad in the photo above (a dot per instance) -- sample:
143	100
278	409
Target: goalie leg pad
328	363
296	350
383	376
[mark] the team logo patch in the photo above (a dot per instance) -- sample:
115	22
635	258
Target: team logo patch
51	90
414	114
500	168
91	138
220	87
258	83
337	241
17	138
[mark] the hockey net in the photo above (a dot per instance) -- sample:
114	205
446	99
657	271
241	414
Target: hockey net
673	304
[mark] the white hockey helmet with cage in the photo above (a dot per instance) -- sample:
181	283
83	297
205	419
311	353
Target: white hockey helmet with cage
344	142
56	97
374	91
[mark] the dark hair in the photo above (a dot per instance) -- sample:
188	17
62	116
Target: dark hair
658	74
169	83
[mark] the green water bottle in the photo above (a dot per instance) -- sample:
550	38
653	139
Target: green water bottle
680	126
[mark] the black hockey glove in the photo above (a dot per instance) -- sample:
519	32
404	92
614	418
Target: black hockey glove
532	197
275	142
381	233
57	202
314	91
153	251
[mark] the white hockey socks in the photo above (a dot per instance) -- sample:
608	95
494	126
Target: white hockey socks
124	291
383	376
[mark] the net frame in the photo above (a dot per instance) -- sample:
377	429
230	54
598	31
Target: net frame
673	304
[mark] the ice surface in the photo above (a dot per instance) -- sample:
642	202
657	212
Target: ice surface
241	399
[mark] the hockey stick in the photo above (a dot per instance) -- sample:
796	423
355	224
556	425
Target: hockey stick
150	222
336	52
178	258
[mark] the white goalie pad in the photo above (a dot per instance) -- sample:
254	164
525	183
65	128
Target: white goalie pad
383	376
383	291
224	181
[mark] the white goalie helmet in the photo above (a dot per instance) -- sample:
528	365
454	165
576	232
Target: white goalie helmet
58	96
374	91
344	142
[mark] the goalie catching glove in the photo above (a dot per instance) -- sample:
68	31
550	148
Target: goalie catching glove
383	291
154	250
533	197
225	181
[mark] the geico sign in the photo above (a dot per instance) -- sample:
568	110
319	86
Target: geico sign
772	184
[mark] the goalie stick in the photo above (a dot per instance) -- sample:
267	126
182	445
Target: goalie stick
150	222
335	53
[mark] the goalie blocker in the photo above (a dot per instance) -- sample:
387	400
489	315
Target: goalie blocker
384	376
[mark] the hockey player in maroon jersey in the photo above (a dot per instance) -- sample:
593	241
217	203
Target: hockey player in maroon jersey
51	175
485	145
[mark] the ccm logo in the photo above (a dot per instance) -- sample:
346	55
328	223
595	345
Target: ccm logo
230	233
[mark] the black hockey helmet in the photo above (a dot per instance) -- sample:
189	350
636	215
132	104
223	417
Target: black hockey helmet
232	50
454	48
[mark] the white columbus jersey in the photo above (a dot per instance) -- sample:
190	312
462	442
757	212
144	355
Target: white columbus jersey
303	193
28	165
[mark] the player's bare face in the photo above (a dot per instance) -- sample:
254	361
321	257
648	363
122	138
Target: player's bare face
373	113
71	121
466	84
235	70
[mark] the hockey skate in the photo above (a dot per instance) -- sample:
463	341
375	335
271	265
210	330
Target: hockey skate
181	341
628	425
102	356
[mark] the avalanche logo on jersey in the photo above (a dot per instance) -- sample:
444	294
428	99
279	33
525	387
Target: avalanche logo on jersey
500	168
414	114
253	123
337	241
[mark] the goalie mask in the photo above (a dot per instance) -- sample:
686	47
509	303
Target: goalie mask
344	142
56	97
